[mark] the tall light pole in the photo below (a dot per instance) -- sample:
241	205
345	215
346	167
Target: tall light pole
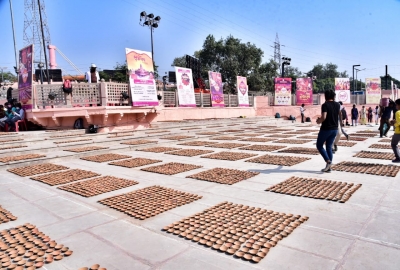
353	77
357	70
152	22
44	45
286	62
15	45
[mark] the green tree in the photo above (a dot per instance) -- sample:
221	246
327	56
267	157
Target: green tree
292	72
262	79
121	73
8	76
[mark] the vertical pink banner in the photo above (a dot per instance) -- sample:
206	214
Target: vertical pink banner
216	89
25	77
242	91
304	91
283	91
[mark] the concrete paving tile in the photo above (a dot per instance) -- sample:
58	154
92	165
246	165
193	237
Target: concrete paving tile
392	199
140	242
200	259
89	249
370	256
64	208
32	191
281	257
249	195
189	209
29	213
67	228
323	244
384	226
354	213
160	221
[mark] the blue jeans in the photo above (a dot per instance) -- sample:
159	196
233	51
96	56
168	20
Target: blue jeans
327	137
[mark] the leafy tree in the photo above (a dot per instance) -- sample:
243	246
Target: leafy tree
8	76
292	72
121	73
262	78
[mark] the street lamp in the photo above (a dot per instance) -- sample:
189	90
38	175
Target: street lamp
357	70
151	22
286	62
353	77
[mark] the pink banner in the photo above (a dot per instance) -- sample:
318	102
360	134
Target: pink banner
25	77
283	91
141	78
217	92
304	91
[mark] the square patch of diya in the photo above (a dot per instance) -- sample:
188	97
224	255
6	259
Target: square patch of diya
134	162
223	176
105	157
37	169
171	168
97	186
64	177
278	160
239	230
368	168
85	149
316	188
232	156
150	201
25	247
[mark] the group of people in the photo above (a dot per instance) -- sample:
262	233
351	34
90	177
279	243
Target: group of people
365	115
331	121
10	113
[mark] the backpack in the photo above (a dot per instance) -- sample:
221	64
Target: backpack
67	87
93	128
78	123
277	115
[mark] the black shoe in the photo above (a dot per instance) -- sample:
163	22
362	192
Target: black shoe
335	147
396	160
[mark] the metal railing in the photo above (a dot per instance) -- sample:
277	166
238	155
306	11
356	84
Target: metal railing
203	100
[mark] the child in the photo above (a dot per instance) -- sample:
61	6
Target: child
396	136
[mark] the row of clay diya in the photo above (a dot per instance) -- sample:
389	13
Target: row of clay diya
231	156
25	247
368	168
243	231
224	176
316	188
278	160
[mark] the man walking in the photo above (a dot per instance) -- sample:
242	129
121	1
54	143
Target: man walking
396	137
386	113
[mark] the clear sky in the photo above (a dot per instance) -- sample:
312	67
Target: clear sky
344	32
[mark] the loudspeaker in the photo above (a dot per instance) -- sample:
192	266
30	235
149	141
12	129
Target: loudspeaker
172	76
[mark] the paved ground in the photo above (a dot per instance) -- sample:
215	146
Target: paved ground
359	234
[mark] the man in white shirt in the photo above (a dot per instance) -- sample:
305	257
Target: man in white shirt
92	76
302	110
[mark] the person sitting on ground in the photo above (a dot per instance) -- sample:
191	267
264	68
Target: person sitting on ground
354	115
17	114
396	136
330	119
